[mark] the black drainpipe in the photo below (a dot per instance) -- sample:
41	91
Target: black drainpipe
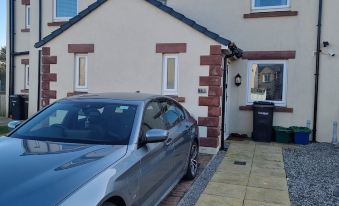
11	52
223	104
317	69
39	56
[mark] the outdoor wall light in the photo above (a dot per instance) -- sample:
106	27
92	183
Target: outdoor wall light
237	80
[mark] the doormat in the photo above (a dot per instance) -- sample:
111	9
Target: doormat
239	163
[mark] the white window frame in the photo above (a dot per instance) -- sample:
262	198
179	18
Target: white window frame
27	76
55	18
28	16
165	90
77	86
282	103
270	7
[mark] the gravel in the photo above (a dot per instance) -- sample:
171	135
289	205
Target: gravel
312	174
199	185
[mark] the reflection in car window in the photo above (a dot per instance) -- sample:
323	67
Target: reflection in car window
172	114
84	122
152	117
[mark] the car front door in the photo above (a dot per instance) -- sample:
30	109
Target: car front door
156	158
180	136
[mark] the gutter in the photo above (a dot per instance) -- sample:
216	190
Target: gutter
39	56
317	71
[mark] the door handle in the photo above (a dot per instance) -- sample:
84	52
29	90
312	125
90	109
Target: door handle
168	141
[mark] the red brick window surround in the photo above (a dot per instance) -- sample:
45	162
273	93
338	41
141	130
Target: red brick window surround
81	48
171	48
270	14
25	61
26	2
269	55
56	23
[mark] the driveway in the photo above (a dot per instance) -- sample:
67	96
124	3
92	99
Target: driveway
251	174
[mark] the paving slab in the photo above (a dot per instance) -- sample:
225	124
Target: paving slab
260	182
214	200
225	190
230	178
267	195
256	203
268	182
268	164
266	172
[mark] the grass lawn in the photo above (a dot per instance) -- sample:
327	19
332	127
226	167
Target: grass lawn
3	130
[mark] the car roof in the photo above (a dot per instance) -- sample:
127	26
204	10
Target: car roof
116	96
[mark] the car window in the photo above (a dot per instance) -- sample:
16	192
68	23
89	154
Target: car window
83	122
153	117
172	114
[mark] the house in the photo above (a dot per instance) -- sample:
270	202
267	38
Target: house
61	48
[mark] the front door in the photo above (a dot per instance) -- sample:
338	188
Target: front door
227	97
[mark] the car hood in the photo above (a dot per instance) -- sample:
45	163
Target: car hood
44	173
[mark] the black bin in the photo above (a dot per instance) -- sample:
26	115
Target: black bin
262	121
17	103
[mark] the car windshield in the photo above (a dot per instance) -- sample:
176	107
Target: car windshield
81	122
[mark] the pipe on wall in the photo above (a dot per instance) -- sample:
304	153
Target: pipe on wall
317	72
11	51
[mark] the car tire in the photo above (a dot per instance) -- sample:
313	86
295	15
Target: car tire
192	169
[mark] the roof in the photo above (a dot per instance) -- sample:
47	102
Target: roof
128	96
155	3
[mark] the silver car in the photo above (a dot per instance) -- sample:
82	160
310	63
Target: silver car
105	149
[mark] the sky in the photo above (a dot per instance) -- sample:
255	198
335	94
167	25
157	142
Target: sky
2	23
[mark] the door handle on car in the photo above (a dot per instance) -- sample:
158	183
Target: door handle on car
168	141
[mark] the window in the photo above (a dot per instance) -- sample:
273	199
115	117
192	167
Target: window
82	122
81	73
270	4
170	75
65	9
28	17
26	76
172	114
267	81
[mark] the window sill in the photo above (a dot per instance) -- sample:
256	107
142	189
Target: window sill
270	14
56	23
25	30
25	91
178	99
69	94
276	109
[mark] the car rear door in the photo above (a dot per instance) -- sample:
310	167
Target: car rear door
156	158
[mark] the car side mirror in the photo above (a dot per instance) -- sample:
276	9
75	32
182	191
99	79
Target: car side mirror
156	135
13	124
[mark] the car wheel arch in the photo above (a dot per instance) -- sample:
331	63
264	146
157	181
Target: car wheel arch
115	200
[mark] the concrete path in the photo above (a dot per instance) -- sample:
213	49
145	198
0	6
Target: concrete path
258	178
4	121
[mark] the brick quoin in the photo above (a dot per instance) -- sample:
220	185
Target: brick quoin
213	101
210	81
215	71
214	111
209	101
47	77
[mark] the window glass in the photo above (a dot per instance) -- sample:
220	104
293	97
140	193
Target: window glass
267	82
172	115
152	117
66	8
81	122
82	71
28	16
170	73
26	76
270	3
